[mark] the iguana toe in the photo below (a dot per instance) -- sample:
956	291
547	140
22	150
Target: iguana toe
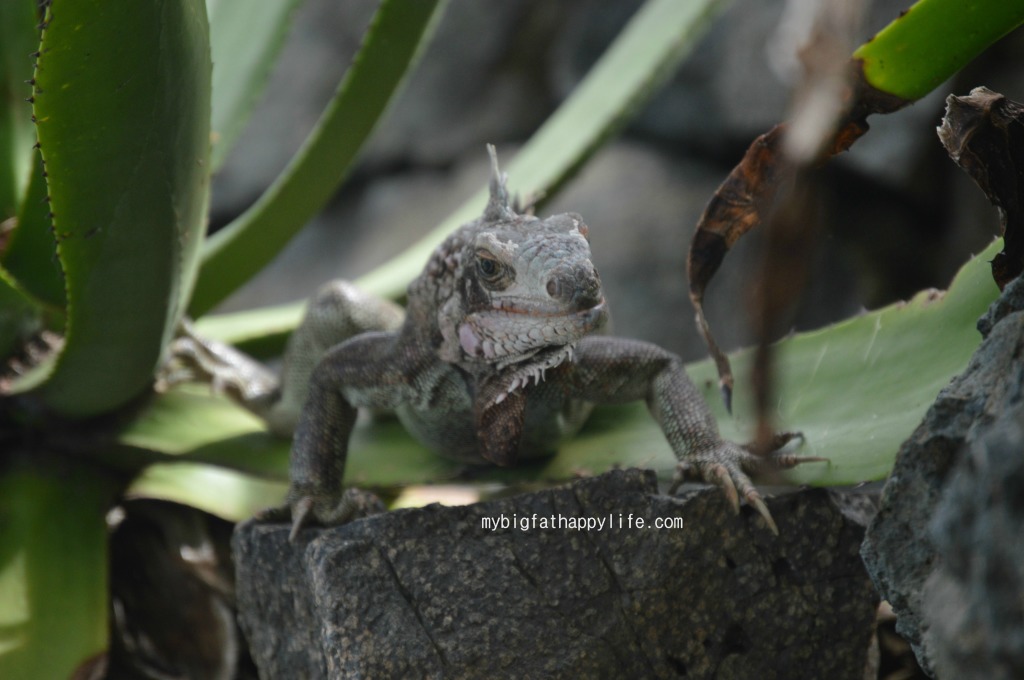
728	466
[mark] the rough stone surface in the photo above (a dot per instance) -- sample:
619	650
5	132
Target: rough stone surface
430	593
1011	300
897	551
973	600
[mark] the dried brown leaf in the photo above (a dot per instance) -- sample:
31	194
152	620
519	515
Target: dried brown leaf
984	134
748	197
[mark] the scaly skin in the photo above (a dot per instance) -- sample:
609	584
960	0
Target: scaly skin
496	360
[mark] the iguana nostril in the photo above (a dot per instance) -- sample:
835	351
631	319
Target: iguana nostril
555	287
580	288
587	286
588	291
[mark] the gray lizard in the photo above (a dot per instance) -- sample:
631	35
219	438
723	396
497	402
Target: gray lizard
496	359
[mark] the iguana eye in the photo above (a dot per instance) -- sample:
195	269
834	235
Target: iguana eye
491	270
488	267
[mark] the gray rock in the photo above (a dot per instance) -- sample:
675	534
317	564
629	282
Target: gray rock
898	552
973	600
321	42
1011	300
480	78
430	593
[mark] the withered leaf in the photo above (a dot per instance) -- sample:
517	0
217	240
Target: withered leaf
747	196
984	134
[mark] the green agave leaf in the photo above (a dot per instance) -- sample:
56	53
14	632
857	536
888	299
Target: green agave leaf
933	40
221	449
220	491
243	247
188	419
244	42
53	570
19	38
31	255
243	472
259	332
122	110
856	390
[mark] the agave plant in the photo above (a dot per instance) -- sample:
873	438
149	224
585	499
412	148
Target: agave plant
104	189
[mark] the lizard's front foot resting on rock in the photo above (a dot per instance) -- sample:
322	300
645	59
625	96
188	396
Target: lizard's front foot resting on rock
302	510
728	465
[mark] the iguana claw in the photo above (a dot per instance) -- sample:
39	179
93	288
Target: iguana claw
305	510
728	466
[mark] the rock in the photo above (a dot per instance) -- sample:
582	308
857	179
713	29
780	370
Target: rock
481	77
1011	300
462	93
898	554
318	48
430	592
972	600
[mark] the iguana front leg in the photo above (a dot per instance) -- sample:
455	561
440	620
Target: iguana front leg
368	371
617	370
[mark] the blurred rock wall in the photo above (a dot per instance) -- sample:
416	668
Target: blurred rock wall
898	215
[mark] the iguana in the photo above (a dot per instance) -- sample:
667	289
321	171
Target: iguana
497	358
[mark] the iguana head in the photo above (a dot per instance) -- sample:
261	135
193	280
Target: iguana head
523	290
